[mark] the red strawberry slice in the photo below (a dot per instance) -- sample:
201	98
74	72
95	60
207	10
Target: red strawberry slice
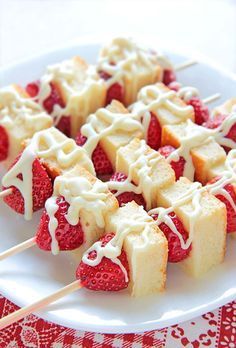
174	86
176	252
64	125
4	144
231	214
68	237
201	111
126	197
42	189
53	99
115	91
168	76
216	121
177	166
33	89
107	275
101	163
154	133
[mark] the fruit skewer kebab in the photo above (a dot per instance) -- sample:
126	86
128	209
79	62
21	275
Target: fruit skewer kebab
29	181
20	119
158	105
126	68
74	215
69	91
119	260
188	206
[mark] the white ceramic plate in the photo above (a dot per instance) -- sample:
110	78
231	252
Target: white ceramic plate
35	274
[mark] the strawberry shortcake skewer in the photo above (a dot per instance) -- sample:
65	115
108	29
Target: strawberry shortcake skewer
74	216
20	118
29	181
157	106
105	132
127	67
69	91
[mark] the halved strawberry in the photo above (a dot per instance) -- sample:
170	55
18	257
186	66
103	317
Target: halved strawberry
107	275
201	111
115	91
126	197
101	163
64	125
231	214
216	121
68	237
41	189
154	133
176	252
177	166
168	76
53	99
4	144
33	89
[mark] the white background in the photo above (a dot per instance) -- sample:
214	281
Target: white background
32	26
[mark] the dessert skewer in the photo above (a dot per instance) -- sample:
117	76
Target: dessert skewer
118	260
20	118
74	215
48	154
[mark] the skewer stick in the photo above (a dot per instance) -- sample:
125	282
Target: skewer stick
5	193
211	98
185	65
21	313
18	248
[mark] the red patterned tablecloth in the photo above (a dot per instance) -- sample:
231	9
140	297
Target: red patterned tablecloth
214	329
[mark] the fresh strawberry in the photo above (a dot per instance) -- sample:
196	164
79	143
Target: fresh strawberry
174	86
64	125
68	237
126	197
115	91
53	99
101	163
215	122
201	111
168	76
154	133
176	253
41	191
107	275
4	144
33	89
231	214
177	166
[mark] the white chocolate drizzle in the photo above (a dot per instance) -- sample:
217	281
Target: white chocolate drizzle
45	145
80	194
193	195
112	250
186	93
143	163
114	122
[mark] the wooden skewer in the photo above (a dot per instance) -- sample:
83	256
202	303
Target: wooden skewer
211	98
185	65
21	313
5	193
18	248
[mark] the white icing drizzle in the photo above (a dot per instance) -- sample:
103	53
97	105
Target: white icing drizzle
47	144
186	93
74	78
193	195
224	129
80	194
143	163
137	223
227	176
114	122
19	111
51	208
156	99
